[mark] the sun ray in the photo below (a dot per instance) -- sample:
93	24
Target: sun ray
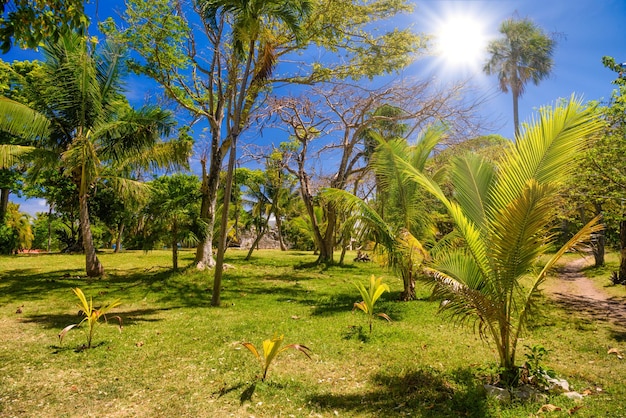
461	41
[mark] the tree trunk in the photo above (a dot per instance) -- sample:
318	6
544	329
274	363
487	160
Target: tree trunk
598	249
174	247
408	281
261	232
93	266
622	240
221	246
598	240
327	244
118	240
49	228
344	248
279	227
4	202
210	182
515	95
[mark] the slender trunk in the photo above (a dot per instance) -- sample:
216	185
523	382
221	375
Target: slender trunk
599	249
622	240
221	247
174	247
260	233
93	266
118	240
279	227
49	228
344	248
4	202
515	94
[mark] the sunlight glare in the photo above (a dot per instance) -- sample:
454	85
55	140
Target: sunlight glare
461	41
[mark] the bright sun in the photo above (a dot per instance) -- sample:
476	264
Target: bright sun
461	41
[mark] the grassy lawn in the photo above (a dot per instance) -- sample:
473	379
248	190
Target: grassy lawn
179	357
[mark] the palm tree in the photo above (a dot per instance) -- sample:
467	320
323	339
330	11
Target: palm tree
523	54
94	133
173	212
403	225
504	212
253	46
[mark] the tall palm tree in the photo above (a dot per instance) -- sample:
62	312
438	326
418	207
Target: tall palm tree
94	133
522	54
504	212
251	24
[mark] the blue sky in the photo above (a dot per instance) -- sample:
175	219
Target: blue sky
588	30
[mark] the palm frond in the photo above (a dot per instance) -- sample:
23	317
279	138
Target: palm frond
519	231
473	178
347	202
21	121
133	132
82	157
129	188
545	148
464	304
475	238
12	154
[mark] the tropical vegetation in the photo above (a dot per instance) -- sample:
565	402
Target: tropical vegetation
401	179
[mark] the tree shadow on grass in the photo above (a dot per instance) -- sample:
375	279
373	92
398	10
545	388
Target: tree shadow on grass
164	286
129	318
315	265
618	336
424	393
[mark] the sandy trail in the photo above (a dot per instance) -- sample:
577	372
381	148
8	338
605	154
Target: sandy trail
581	295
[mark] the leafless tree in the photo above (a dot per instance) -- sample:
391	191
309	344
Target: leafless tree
326	128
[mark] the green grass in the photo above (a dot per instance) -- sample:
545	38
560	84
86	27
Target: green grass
179	357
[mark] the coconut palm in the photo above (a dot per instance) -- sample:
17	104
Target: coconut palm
523	54
504	212
94	133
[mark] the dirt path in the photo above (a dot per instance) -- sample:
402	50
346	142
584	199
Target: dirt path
580	295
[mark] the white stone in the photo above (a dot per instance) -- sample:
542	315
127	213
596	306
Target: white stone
500	394
573	395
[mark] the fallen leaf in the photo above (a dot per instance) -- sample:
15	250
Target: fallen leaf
139	343
587	392
614	351
573	410
295	317
548	408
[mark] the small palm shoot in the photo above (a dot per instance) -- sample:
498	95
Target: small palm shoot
271	349
91	315
370	295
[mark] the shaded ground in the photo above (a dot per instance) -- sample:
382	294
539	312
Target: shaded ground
581	295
